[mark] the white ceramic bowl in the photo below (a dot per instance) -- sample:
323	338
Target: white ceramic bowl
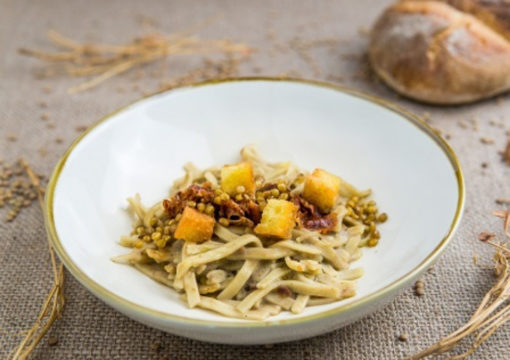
414	175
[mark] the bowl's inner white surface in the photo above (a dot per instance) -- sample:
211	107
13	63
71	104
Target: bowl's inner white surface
143	148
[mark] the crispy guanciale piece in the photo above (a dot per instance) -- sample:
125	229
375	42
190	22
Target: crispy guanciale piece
244	213
322	189
234	176
278	219
194	226
194	192
309	217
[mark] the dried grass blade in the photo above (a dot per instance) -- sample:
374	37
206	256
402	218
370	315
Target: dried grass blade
54	302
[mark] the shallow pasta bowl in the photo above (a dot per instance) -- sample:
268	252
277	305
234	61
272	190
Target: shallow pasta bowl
142	147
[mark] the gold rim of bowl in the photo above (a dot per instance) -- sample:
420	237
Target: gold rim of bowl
140	311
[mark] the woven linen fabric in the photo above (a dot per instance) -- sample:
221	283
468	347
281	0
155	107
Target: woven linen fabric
88	329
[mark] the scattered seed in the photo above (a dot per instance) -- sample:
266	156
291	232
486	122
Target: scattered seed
42	151
156	346
59	140
80	128
486	140
474	122
47	89
486	236
44	117
402	337
503	201
363	31
51	124
43	104
506	153
485	165
426	116
462	124
52	341
12	137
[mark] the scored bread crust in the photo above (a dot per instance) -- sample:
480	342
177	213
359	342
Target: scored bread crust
432	52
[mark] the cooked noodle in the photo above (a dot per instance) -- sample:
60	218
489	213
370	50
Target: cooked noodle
224	253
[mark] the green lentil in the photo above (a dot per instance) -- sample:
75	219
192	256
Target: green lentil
372	242
209	209
224	221
382	218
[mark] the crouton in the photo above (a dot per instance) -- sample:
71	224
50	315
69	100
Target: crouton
194	226
235	176
278	219
322	189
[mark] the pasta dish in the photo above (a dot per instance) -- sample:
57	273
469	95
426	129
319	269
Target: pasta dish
255	238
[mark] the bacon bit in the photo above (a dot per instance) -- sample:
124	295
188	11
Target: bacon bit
238	214
506	153
251	209
309	216
322	224
178	202
505	214
231	210
283	291
485	236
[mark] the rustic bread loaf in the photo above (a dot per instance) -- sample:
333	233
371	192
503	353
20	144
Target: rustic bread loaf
444	52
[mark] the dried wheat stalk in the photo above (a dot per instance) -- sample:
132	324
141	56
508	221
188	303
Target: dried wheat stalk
103	61
54	302
492	313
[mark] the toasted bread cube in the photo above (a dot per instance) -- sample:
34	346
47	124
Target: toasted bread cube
322	189
233	176
278	219
194	226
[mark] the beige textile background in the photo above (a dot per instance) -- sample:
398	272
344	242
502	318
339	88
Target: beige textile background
89	329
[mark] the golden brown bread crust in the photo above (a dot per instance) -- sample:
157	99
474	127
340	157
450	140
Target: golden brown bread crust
493	13
429	51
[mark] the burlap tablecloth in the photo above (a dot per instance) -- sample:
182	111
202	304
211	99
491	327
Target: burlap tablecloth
90	329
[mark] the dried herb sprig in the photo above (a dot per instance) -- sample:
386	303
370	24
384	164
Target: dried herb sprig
54	302
493	311
105	61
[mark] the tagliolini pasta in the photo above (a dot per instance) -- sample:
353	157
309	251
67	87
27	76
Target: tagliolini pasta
252	239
